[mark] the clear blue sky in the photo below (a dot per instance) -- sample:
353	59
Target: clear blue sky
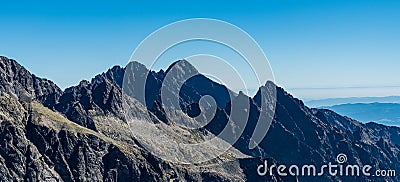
327	46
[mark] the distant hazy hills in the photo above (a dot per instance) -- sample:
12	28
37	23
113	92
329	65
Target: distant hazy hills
383	113
383	110
352	100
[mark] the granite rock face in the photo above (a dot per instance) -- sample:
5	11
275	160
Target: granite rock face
81	134
21	84
41	145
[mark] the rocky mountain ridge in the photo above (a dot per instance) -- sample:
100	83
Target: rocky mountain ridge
80	134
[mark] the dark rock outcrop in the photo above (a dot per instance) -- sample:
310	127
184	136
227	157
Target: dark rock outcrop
20	83
102	97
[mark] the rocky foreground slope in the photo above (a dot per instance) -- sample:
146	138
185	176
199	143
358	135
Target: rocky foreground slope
80	134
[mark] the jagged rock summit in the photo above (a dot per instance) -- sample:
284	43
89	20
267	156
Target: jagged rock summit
20	83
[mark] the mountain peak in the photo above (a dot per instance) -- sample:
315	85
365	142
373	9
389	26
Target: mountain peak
183	66
10	66
136	66
115	75
20	83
